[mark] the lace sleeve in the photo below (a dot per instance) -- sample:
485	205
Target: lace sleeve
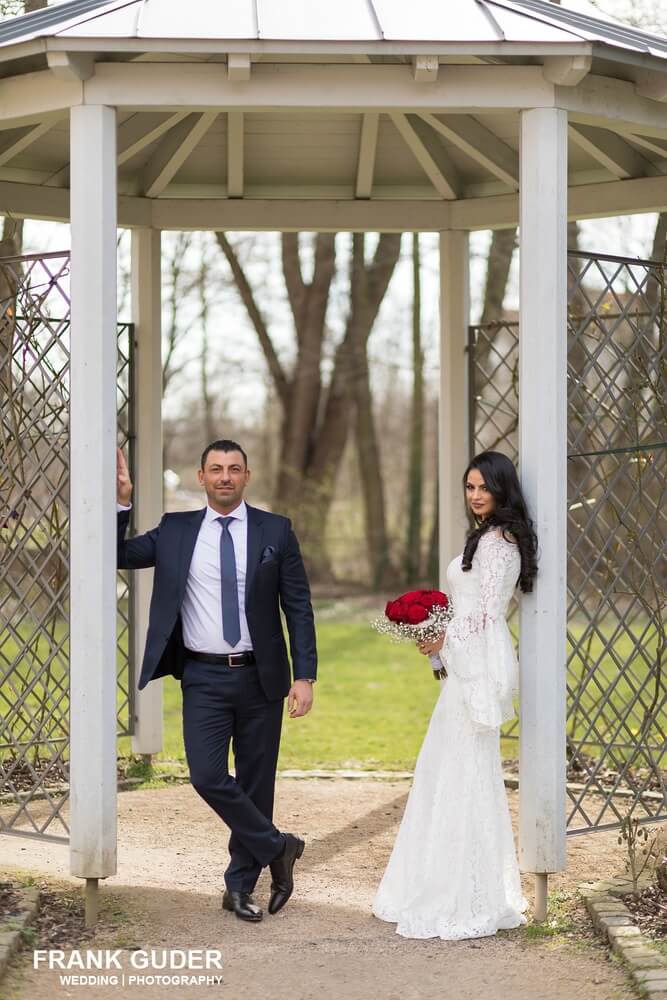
499	565
478	647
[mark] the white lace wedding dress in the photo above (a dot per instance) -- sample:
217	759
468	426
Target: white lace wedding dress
453	871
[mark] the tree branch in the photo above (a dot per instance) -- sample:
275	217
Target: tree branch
247	297
294	283
317	297
381	270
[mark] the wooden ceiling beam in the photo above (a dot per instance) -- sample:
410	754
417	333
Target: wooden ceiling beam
429	152
173	151
366	158
617	156
235	154
480	144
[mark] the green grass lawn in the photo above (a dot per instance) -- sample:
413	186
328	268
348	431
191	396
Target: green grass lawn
373	698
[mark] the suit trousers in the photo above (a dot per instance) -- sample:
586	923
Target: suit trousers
223	705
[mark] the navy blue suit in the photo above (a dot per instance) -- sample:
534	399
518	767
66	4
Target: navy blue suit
241	705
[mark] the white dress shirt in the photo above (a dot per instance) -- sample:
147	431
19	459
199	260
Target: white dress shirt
201	611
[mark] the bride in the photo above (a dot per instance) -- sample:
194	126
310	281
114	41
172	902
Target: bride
453	871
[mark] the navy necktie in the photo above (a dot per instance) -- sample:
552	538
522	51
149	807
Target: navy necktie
231	620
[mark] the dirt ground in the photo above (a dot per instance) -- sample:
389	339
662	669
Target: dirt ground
325	944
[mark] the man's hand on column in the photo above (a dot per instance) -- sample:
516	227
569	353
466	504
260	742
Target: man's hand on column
123	481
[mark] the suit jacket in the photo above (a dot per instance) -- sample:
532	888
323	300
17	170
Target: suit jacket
275	577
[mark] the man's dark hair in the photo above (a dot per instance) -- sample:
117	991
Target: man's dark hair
223	446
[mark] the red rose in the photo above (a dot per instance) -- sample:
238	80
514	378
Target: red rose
394	611
416	613
415	606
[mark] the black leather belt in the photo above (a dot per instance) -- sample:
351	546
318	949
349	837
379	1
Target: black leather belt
245	659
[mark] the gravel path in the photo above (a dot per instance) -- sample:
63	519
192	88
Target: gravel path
325	945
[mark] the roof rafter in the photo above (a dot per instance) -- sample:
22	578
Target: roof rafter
31	135
653	145
616	155
174	150
133	137
479	143
429	153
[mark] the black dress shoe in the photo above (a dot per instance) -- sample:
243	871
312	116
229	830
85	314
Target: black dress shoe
282	872
242	904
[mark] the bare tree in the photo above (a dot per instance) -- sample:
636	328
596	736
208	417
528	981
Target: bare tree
180	284
416	457
317	416
206	399
499	260
368	287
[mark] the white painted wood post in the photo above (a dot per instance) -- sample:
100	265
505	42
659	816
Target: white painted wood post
92	493
543	458
453	437
147	497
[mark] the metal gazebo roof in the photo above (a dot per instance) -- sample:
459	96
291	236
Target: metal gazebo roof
347	20
309	113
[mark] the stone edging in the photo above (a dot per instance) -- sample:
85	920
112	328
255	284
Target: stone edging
11	930
613	920
355	774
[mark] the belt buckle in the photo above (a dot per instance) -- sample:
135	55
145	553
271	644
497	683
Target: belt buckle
231	659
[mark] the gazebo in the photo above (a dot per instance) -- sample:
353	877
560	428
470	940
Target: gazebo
359	115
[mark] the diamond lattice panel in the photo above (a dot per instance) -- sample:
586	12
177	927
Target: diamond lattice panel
617	527
34	530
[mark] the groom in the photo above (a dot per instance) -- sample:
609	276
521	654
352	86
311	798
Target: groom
221	576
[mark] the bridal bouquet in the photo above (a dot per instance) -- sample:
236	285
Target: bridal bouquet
419	615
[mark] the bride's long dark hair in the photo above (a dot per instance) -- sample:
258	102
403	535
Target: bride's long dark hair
510	513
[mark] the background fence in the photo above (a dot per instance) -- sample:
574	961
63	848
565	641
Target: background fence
617	526
34	539
617	514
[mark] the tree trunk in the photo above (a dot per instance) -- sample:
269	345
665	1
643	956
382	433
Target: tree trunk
654	289
369	284
659	250
416	458
433	561
576	301
207	403
494	380
12	237
377	541
499	261
308	303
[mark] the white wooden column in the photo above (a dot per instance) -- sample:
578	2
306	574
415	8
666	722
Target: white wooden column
93	492
543	456
453	443
147	497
